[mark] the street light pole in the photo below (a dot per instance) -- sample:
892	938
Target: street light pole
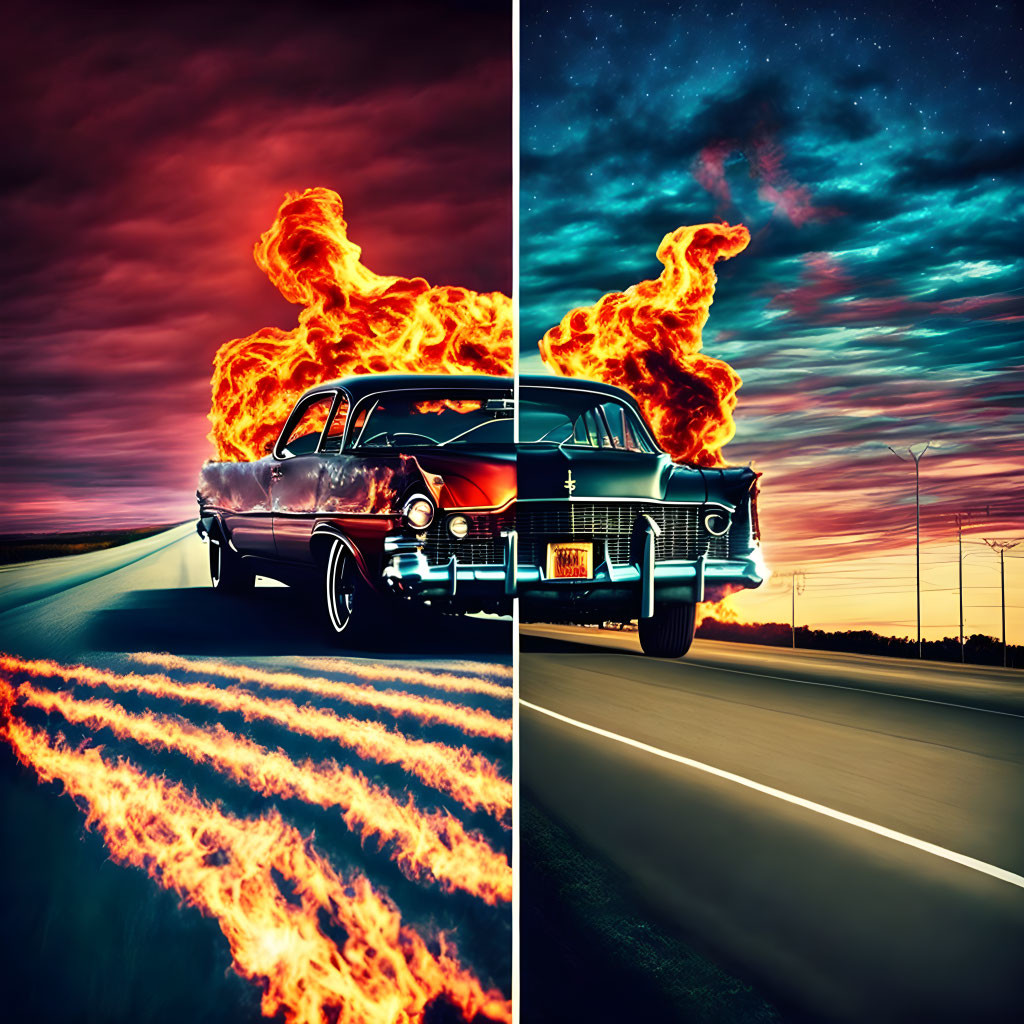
917	507
960	568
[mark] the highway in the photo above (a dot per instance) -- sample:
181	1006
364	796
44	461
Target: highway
844	833
329	795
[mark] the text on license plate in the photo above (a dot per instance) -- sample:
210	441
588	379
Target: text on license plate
571	560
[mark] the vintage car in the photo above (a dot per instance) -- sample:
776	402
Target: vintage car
610	528
386	486
379	486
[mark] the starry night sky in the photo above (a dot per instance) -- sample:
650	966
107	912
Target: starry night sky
876	152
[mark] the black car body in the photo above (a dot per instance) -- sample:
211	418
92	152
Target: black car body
411	487
654	536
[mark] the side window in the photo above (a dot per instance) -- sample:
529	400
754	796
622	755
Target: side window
305	433
625	430
613	413
336	430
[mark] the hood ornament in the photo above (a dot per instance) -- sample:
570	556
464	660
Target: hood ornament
570	484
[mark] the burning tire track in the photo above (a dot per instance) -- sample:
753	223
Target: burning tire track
428	709
456	683
228	868
468	777
426	846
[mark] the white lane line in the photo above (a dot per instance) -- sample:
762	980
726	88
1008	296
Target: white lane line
854	689
868	826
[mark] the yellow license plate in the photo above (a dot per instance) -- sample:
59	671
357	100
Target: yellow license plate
571	560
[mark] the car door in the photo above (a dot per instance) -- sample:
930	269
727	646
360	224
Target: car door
300	470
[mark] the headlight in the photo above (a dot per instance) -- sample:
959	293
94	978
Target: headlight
458	527
717	524
418	512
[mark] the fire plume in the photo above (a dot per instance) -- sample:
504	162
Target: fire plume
472	780
430	710
382	971
648	341
353	321
425	846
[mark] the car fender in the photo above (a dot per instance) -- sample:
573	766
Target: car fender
324	533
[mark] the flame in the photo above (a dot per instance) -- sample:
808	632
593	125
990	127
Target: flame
722	611
648	340
430	710
409	676
424	845
381	972
353	321
467	777
459	405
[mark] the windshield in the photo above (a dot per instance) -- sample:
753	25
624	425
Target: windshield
579	419
434	418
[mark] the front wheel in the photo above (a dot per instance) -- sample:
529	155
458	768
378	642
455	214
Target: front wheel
353	609
668	633
228	573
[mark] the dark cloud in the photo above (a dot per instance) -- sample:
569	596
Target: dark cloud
154	146
961	161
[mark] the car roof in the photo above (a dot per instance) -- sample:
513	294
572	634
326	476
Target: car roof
371	383
546	380
364	384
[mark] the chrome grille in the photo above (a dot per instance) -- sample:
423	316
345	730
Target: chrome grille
683	535
483	545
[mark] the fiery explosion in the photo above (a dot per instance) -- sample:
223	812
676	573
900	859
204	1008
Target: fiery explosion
648	340
322	946
353	321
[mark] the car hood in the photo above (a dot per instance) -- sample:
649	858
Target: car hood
469	477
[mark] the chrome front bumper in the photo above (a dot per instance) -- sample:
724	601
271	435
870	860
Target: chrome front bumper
641	584
408	572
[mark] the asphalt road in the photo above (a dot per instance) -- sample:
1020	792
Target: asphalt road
845	833
155	595
84	937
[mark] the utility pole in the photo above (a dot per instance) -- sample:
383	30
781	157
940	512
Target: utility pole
798	581
917	506
1002	546
960	517
796	586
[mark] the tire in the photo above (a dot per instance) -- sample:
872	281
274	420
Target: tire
228	573
352	609
669	632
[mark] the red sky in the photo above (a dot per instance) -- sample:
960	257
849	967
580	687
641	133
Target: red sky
152	150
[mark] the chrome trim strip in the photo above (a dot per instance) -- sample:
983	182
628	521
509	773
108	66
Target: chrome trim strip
511	562
634	501
647	572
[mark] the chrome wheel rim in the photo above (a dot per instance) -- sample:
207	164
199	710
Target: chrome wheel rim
339	587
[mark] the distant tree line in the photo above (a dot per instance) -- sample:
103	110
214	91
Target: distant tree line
978	649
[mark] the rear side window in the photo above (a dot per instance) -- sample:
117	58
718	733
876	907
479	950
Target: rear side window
306	425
